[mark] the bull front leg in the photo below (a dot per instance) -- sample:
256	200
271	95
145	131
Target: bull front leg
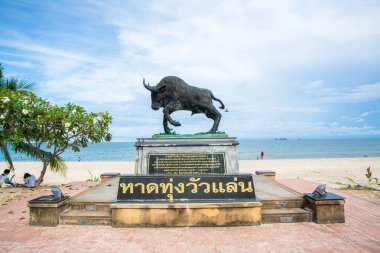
168	109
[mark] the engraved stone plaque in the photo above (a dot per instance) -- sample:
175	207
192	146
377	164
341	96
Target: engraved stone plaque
91	207
186	163
281	205
214	156
286	219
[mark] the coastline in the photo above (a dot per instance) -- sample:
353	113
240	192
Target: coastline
317	170
247	150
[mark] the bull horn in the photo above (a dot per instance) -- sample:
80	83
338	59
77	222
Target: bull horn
148	87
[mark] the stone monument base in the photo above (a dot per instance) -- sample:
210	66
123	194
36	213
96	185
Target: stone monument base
276	202
181	156
186	215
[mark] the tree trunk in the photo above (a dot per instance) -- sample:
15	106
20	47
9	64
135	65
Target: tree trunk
43	171
7	155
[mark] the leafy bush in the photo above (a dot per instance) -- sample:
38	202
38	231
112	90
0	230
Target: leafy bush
92	178
371	184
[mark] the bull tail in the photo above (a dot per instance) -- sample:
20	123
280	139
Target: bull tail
217	99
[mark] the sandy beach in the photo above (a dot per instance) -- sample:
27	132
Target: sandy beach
324	170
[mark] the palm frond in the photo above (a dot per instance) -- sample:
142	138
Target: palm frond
58	165
31	151
15	84
7	155
1	71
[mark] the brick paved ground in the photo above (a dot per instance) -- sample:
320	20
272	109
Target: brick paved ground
360	233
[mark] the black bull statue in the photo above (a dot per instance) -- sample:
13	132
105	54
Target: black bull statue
173	94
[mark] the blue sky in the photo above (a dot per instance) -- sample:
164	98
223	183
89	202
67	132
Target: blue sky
296	69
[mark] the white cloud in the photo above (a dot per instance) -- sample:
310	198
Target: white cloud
358	120
361	93
23	64
322	128
366	114
362	117
101	84
313	86
299	109
233	40
40	49
254	55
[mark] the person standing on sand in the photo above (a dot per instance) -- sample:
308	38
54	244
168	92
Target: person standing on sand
262	155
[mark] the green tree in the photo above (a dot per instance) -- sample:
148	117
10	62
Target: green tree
12	84
45	131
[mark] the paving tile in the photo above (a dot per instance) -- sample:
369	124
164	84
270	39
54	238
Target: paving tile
369	246
360	233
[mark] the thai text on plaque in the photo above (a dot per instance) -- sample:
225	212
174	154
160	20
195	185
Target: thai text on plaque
186	163
186	188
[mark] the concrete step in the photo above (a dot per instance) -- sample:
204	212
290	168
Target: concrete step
282	203
90	206
285	215
82	217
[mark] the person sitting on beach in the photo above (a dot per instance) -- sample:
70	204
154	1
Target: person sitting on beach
29	180
5	182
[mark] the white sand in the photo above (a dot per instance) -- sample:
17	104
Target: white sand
325	170
321	170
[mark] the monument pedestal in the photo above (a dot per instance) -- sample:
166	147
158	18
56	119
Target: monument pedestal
108	176
178	156
270	174
329	209
186	215
44	211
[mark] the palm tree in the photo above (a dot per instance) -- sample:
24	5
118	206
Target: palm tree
13	84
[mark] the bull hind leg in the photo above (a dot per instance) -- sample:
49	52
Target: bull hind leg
216	116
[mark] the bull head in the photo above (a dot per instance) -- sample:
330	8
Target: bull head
148	87
154	88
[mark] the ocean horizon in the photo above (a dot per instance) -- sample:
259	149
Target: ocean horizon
247	150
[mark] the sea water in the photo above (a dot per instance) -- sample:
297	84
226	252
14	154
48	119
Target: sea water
247	150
